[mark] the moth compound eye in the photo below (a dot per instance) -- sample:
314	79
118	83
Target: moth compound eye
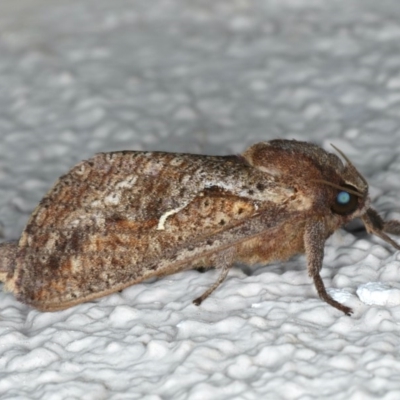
345	203
343	198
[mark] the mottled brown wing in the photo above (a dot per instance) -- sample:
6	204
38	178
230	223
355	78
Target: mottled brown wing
122	217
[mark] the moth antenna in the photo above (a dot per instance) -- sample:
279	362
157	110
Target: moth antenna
375	225
349	163
338	187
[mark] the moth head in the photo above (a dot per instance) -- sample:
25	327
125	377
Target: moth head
374	224
351	198
325	186
323	182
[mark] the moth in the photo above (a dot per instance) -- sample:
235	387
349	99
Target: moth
122	217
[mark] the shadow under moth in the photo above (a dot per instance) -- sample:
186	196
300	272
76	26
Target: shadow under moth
122	217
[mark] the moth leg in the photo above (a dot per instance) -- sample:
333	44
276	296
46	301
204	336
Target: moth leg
392	227
314	241
223	261
376	225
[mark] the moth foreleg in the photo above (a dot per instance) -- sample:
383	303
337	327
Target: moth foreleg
314	241
392	227
223	261
376	225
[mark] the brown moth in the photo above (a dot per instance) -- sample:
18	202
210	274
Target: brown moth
122	217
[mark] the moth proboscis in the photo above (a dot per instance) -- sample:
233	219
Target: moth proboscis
122	217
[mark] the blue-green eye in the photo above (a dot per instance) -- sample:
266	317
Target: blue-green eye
345	203
343	198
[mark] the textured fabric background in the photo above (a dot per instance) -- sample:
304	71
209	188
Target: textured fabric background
82	76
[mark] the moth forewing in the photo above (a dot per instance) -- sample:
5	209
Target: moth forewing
107	237
119	218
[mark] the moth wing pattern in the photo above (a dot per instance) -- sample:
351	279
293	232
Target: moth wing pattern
120	217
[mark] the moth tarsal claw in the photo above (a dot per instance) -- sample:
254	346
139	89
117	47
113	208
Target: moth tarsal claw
197	301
